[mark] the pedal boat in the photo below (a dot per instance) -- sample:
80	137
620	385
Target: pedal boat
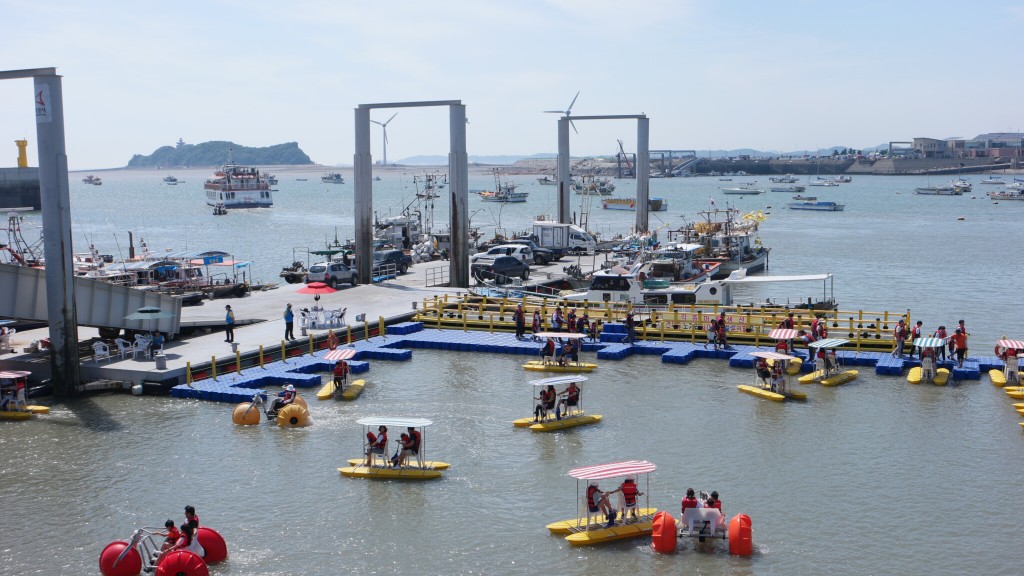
419	468
574	416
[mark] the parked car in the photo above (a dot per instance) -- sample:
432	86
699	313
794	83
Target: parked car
518	251
332	273
541	256
501	269
397	258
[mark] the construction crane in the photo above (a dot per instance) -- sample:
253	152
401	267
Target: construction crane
625	158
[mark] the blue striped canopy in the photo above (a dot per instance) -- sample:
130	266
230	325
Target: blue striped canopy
829	343
929	342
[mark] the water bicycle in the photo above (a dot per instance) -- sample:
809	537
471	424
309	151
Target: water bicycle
546	420
564	364
142	552
13	388
826	370
784	337
377	465
595	522
1009	373
349	391
926	372
703	523
774	385
293	415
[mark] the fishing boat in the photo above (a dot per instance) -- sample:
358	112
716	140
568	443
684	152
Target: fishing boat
94	180
271	179
378	465
744	188
843	179
503	192
787	179
653	204
805	198
793	189
572	416
996	180
594	186
332	178
729	239
819	181
817	205
170	180
675	262
429	185
595	527
545	181
13	390
1007	194
827	369
775	387
237	186
961	185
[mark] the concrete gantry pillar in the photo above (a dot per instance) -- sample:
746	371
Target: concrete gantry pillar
57	248
458	190
643	173
564	170
362	163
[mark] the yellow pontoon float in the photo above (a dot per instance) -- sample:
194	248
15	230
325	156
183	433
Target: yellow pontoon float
826	370
589	527
350	391
1010	373
554	366
926	372
571	397
378	466
777	390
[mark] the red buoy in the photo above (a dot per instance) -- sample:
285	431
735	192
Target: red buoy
663	535
182	563
741	541
214	544
130	565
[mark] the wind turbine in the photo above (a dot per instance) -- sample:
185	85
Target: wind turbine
567	112
384	125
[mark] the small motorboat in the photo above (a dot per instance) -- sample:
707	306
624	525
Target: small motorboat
557	420
818	206
219	209
379	466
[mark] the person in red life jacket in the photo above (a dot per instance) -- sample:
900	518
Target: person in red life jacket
815	326
191	518
782	346
763	372
941	333
583	324
787	323
806	338
915	333
689	502
778	379
170	534
411	448
340	375
570	320
572	398
720	331
535	326
556	320
629	493
959	341
569	353
597	501
545	402
403	442
899	336
376	444
285	397
183	542
548	351
520	319
715	502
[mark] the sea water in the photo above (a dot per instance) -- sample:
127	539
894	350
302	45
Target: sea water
873	477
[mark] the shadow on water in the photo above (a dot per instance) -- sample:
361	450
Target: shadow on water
89	415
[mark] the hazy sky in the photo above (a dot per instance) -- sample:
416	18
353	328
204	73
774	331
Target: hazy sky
709	74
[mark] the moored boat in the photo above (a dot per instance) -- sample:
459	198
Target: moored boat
546	181
503	191
791	189
332	178
819	181
805	198
937	191
996	180
1007	194
170	180
94	180
653	204
237	186
744	188
787	179
817	205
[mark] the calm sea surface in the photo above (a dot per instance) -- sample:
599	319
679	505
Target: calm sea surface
874	477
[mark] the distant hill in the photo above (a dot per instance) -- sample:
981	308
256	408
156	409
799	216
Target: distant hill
216	153
490	160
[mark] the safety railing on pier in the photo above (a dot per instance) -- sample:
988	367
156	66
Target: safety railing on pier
866	330
437	276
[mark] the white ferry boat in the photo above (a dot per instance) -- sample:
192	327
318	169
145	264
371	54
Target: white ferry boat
237	186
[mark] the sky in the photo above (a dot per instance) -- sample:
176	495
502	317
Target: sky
773	76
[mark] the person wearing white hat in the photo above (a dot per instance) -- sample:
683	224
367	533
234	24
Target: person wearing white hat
285	397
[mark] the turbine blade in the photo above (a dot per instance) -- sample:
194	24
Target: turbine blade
385	135
392	117
573	124
573	101
554	111
375	122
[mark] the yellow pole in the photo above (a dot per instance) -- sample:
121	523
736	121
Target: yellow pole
213	368
310	344
381	328
366	330
464	322
490	323
349	338
238	362
188	373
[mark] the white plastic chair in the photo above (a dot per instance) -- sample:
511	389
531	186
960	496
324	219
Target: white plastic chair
141	345
100	351
124	348
338	316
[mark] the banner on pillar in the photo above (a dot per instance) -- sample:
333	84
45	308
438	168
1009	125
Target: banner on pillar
44	106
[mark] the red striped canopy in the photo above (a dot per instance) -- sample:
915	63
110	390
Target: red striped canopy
772	355
783	334
1015	344
340	354
613	470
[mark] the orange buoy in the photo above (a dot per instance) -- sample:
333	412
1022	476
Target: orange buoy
741	542
293	416
130	565
182	563
663	535
214	544
246	414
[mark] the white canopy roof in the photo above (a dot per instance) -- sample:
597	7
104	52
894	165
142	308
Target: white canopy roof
763	279
558	380
394	421
560	335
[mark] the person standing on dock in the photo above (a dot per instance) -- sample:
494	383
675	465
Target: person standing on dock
915	333
630	328
229	324
536	323
289	323
941	333
899	336
959	342
520	318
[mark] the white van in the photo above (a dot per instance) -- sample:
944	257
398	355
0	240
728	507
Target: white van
521	252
